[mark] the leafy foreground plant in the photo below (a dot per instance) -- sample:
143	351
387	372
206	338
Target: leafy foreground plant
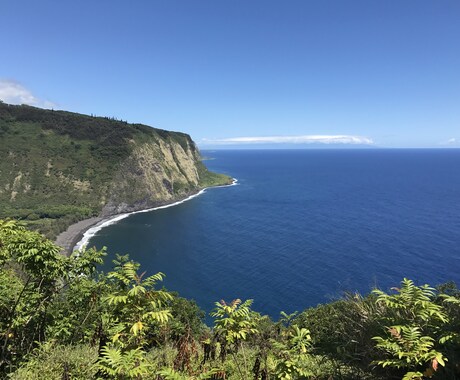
171	374
234	323
51	361
62	319
134	309
292	356
34	277
414	330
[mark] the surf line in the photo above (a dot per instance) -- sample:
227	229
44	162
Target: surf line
92	231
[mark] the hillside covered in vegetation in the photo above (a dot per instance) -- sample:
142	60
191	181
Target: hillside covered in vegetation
60	318
59	167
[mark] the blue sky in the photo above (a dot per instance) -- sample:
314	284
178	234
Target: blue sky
233	73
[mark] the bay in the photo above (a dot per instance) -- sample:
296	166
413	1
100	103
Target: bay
302	227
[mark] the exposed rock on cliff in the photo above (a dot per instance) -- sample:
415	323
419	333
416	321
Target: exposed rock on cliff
59	167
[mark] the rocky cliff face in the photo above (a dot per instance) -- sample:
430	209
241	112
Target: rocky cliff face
59	167
155	173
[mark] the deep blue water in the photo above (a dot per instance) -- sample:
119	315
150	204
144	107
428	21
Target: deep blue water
303	226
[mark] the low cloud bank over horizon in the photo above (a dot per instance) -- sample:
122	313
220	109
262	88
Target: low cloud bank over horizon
302	139
13	92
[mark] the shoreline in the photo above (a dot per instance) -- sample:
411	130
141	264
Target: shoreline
78	234
69	238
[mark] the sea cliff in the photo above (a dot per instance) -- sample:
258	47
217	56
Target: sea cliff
58	168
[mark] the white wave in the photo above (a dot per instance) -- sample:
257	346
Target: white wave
88	234
235	182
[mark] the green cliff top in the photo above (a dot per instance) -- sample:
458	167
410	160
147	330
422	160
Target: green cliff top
58	167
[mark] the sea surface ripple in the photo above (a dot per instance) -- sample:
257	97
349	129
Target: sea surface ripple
304	226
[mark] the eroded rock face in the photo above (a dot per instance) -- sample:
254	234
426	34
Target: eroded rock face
156	172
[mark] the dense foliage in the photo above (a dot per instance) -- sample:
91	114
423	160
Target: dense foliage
60	318
59	167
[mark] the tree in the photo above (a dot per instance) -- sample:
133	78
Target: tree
134	308
35	268
36	278
413	328
234	322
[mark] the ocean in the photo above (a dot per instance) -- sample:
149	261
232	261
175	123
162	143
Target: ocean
302	227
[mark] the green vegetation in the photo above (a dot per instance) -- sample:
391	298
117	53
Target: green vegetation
210	179
57	167
60	318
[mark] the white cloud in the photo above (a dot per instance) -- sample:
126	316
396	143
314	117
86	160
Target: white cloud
452	142
303	139
13	92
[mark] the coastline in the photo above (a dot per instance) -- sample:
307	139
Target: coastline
78	234
74	233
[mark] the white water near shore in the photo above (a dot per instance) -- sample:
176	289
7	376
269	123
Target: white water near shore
88	234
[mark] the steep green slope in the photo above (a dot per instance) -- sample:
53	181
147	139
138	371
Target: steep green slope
59	167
